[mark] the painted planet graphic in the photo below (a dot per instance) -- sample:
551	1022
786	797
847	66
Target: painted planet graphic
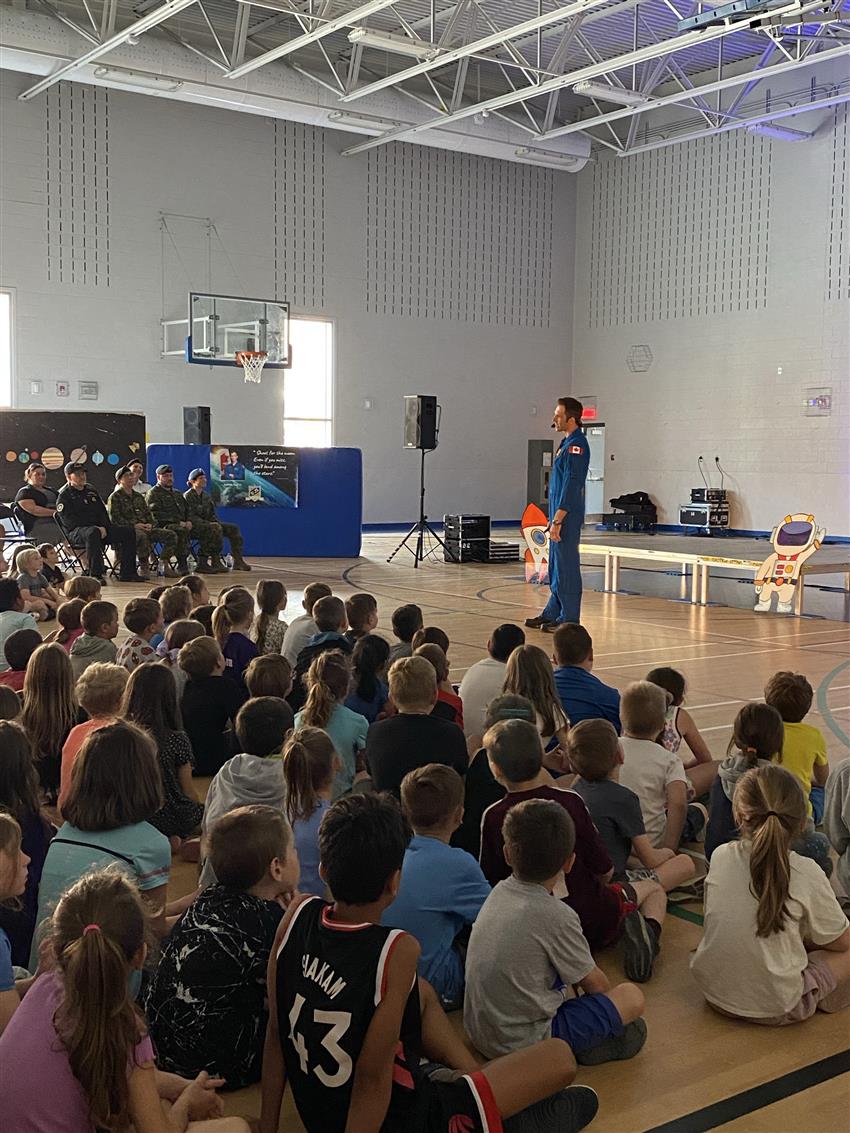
11	455
53	458
97	457
24	457
34	455
79	455
113	458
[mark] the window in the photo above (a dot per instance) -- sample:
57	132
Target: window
308	386
7	346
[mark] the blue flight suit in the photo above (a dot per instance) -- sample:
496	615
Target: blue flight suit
566	492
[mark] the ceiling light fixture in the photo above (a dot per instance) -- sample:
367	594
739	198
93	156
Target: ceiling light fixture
162	83
547	157
782	133
396	44
608	93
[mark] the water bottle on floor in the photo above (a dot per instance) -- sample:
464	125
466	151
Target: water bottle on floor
160	569
191	563
228	561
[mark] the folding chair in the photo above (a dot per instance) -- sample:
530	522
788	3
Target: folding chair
11	529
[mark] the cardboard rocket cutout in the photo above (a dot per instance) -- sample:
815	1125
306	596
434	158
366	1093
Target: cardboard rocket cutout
794	541
535	530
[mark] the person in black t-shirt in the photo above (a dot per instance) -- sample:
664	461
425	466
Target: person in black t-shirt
209	704
413	737
35	503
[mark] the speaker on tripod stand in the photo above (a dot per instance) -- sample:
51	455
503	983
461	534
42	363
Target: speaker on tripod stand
421	431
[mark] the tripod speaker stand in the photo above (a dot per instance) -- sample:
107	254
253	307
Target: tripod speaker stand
414	540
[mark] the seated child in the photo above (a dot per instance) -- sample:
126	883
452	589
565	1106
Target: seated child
96	643
231	621
100	691
776	945
83	586
527	953
17	650
40	598
95	1060
431	635
10	703
327	962
303	628
255	775
369	693
196	584
310	767
442	888
328	680
269	629
175	602
12	615
13	882
205	1002
361	612
143	618
209	705
607	912
449	706
70	627
836	824
583	696
270	674
406	622
177	635
50	566
757	738
329	615
594	752
203	615
803	745
655	775
485	680
701	769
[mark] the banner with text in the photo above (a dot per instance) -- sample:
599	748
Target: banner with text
254	477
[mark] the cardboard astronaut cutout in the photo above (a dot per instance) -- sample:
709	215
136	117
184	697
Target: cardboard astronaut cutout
535	530
794	541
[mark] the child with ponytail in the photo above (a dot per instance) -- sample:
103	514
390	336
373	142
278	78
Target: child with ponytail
231	623
328	681
310	766
776	946
269	628
79	1025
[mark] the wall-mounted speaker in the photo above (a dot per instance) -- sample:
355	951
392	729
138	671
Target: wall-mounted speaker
196	425
420	421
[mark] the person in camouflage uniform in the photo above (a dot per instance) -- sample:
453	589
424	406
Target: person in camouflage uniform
128	509
169	510
203	516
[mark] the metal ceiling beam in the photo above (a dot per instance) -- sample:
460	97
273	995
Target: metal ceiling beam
686	96
107	19
606	67
240	35
347	20
157	16
496	39
556	65
68	22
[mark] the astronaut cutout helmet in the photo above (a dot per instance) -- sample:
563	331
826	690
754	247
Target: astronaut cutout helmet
796	533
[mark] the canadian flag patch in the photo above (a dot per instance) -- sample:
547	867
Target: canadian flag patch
574	448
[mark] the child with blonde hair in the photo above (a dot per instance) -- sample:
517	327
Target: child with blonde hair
231	624
100	691
529	673
310	768
328	682
40	598
776	945
269	629
83	586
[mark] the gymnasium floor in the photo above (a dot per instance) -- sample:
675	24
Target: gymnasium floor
757	1080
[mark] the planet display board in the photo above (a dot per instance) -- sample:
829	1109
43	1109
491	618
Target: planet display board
101	442
248	476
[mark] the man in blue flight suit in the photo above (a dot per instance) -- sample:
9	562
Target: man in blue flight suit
566	516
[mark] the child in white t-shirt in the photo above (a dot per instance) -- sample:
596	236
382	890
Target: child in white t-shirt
776	947
656	775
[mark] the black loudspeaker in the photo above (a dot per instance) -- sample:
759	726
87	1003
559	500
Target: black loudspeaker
196	424
420	421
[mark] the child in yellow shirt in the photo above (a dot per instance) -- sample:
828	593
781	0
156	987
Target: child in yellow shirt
804	748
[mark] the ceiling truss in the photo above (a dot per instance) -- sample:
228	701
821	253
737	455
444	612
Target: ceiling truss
517	60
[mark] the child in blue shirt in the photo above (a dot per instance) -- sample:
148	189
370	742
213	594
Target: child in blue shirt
583	696
442	887
328	682
310	767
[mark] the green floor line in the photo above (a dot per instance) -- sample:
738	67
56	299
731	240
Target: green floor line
685	914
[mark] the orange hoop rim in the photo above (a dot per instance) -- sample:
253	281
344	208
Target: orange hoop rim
243	356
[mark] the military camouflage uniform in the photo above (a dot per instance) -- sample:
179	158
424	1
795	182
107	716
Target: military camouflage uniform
169	510
203	517
126	510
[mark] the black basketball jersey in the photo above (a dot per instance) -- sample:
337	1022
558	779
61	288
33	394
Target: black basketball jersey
330	979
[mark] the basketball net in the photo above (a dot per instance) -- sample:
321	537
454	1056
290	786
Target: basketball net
252	362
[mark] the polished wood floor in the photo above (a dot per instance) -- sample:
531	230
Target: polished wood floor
693	1057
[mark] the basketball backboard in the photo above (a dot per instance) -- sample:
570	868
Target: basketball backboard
220	326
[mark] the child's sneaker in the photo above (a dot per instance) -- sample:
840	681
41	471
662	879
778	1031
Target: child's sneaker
695	823
568	1111
616	1049
641	947
692	891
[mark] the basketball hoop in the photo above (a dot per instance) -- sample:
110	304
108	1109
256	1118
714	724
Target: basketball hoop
252	362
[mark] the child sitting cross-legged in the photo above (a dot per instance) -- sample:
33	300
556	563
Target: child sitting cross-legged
776	945
209	703
100	691
18	648
143	618
803	746
369	691
607	912
328	681
177	635
270	629
79	1026
527	952
96	643
205	1001
50	566
255	775
679	725
349	1019
594	752
656	775
40	597
442	888
310	767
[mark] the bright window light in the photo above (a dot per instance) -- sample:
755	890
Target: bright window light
6	348
308	386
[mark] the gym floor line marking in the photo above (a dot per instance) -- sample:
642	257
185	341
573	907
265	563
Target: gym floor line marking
758	1097
692	660
823	707
685	914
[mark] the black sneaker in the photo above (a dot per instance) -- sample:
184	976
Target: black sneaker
616	1049
535	623
567	1111
641	947
550	627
